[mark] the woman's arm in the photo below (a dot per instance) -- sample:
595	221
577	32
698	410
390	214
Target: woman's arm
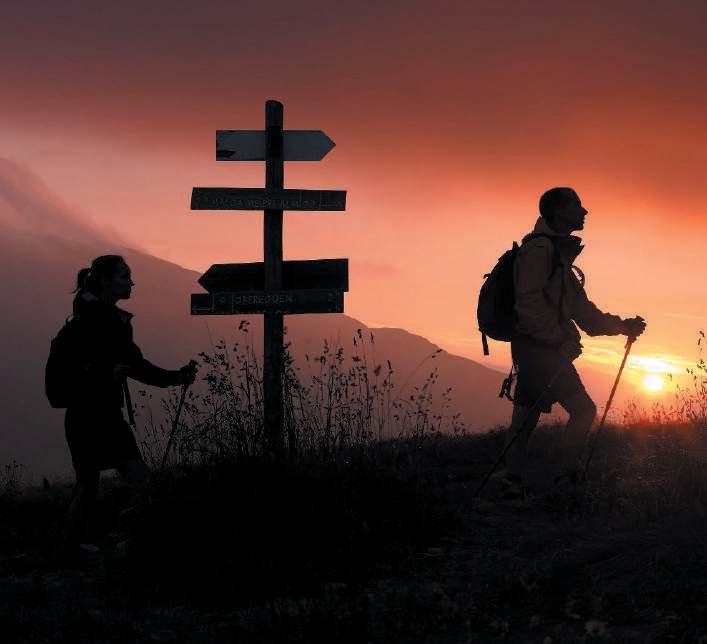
142	370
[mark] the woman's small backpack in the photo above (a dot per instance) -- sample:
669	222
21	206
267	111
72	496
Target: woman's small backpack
62	373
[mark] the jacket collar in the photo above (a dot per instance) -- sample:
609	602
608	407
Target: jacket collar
569	246
86	302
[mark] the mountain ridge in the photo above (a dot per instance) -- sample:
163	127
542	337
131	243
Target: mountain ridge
40	273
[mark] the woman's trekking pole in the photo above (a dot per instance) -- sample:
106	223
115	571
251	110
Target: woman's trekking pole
593	441
174	427
520	428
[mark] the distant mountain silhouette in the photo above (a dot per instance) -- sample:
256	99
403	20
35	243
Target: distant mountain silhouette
39	273
41	255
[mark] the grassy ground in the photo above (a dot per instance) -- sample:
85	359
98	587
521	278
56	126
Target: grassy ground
383	544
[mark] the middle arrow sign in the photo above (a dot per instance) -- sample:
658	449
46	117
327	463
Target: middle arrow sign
262	199
296	274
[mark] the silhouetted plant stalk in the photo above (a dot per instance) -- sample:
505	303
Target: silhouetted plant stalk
688	406
332	402
12	478
691	404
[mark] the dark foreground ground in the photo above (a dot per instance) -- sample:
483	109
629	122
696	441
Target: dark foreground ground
385	545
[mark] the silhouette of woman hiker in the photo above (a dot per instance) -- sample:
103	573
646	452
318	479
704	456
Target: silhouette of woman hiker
99	438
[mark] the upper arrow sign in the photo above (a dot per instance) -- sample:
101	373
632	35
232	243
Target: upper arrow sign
249	145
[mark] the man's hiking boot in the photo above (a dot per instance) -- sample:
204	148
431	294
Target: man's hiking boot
509	486
505	475
571	475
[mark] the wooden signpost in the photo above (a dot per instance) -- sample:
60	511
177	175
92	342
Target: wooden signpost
273	288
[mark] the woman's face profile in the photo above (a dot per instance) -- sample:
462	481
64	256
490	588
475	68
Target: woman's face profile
120	286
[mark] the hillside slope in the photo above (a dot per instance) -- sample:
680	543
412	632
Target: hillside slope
39	272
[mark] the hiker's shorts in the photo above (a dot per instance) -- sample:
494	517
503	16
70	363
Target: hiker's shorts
537	365
98	439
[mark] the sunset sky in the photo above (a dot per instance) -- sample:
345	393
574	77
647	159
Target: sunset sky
450	119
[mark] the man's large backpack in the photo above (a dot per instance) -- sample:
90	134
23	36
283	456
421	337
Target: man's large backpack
496	308
64	365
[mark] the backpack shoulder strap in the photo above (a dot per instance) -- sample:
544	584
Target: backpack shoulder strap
555	260
484	343
555	249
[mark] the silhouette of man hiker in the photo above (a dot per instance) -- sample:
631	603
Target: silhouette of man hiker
99	438
549	300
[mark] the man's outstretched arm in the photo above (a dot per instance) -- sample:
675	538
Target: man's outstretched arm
593	321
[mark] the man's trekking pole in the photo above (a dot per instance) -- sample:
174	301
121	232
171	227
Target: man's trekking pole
593	440
521	427
174	427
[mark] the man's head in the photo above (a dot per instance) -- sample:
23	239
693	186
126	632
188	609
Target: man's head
562	210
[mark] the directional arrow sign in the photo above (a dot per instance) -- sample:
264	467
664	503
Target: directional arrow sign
278	302
249	145
262	199
296	274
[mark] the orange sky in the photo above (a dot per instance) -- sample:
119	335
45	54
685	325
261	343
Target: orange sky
450	120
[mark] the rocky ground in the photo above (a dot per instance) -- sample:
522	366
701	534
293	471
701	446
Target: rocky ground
620	558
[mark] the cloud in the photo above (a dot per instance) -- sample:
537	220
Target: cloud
363	269
598	355
684	316
27	205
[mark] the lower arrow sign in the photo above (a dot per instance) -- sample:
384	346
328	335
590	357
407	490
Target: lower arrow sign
278	302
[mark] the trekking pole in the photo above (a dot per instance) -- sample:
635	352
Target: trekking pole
129	404
593	440
174	427
508	446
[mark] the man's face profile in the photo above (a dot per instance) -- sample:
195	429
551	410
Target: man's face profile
571	214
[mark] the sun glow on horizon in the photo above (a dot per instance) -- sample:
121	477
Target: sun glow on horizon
656	372
654	382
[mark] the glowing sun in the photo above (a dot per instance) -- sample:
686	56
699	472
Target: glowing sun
653	382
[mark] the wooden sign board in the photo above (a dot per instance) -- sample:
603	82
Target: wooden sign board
274	302
296	275
249	145
262	199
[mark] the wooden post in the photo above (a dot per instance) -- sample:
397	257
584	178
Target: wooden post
272	287
273	341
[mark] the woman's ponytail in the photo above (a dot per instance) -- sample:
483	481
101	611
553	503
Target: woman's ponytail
81	279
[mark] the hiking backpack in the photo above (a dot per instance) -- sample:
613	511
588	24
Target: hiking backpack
62	371
496	308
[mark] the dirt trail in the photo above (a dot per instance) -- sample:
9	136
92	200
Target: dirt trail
550	567
535	570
